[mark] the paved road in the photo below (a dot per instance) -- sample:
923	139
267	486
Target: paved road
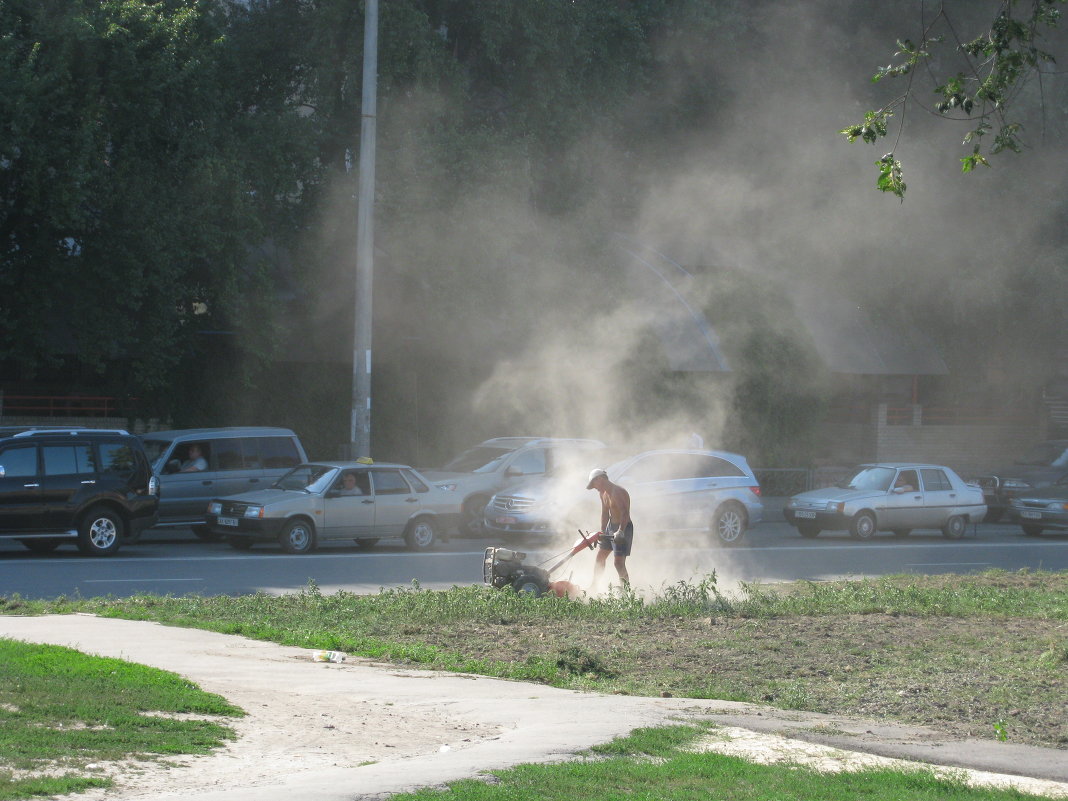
177	563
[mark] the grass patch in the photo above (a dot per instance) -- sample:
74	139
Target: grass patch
657	765
982	655
61	710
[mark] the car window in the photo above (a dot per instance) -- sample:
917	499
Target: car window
19	461
273	453
935	480
907	481
68	459
156	449
307	477
226	454
117	458
714	466
529	463
477	460
413	479
389	482
657	467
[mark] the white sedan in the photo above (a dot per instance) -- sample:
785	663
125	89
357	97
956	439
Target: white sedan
891	496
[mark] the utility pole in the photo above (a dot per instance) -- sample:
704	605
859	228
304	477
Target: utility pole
360	427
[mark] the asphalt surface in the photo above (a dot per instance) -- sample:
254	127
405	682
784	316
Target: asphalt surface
444	727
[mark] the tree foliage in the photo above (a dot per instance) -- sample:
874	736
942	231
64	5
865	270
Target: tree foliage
994	67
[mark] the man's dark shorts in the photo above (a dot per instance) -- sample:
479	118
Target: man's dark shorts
617	543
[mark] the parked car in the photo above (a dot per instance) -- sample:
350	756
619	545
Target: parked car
1045	464
321	501
897	497
671	491
91	487
232	460
479	472
1041	510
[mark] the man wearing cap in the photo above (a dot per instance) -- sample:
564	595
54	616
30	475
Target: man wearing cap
617	529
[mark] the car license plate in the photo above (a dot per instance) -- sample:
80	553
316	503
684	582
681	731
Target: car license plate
227	521
806	515
1029	515
506	521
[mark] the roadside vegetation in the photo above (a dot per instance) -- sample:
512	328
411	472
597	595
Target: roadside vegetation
62	711
983	655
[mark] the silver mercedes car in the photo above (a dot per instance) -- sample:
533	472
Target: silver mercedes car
892	496
322	501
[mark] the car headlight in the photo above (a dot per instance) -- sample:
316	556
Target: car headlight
836	507
214	508
254	511
446	487
1060	506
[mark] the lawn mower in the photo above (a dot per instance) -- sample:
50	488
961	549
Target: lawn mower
504	567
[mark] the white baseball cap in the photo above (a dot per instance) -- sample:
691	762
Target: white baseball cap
595	474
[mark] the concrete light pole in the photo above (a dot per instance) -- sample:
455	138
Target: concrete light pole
360	426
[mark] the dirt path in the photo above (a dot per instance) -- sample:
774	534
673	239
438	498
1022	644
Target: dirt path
364	730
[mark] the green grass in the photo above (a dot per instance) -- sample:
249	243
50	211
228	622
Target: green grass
658	765
61	710
984	655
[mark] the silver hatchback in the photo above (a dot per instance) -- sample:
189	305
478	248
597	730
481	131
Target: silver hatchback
322	501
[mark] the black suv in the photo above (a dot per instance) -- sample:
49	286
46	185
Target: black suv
92	487
1045	464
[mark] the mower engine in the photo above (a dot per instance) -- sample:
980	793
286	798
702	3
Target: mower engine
504	567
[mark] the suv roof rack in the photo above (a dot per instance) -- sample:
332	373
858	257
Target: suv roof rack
37	432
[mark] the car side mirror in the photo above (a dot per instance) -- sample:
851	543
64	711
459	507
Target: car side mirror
2	471
899	490
513	472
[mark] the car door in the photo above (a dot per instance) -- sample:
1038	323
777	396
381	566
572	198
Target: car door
20	497
229	465
395	502
903	510
184	496
68	475
940	498
349	516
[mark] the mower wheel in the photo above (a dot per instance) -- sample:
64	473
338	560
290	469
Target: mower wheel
530	584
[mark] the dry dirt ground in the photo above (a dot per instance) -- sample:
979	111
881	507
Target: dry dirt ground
360	730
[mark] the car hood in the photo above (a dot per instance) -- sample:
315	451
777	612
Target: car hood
265	496
827	494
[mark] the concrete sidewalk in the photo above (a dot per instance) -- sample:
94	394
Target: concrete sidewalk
360	730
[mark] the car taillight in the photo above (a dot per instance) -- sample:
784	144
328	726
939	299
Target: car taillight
755	491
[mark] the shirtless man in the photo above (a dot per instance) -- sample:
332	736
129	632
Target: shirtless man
617	529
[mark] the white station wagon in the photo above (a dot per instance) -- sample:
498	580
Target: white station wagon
893	496
322	501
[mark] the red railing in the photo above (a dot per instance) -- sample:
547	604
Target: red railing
62	406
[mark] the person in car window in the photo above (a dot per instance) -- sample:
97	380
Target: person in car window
348	484
195	461
902	482
617	529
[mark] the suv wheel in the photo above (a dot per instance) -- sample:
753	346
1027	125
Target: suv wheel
100	533
729	524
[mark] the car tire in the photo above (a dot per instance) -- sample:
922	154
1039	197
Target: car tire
955	527
863	526
421	534
729	524
901	533
1031	530
808	530
297	536
40	546
240	543
472	516
530	585
366	543
100	532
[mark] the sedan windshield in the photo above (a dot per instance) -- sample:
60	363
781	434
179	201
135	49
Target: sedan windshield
1047	454
477	460
307	477
872	478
